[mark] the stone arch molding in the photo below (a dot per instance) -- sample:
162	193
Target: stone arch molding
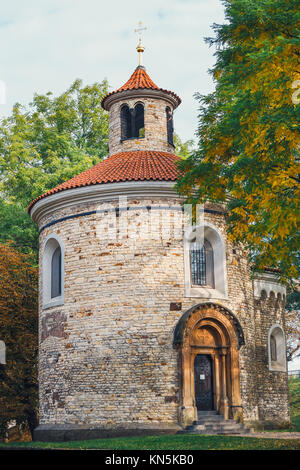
279	364
206	231
51	243
203	310
212	330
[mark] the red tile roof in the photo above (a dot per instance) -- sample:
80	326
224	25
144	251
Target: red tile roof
140	80
125	166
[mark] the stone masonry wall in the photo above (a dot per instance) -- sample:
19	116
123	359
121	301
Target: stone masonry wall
273	405
155	127
106	355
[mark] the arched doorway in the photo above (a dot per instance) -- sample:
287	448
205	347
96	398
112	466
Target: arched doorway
208	338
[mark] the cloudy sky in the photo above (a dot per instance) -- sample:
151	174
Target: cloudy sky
47	44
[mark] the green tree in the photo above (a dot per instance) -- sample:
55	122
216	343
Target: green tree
183	149
43	145
18	327
292	323
248	153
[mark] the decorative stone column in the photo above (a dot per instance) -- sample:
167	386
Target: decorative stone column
218	382
236	403
224	400
188	411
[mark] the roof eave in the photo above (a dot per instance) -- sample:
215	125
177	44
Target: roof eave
100	192
138	93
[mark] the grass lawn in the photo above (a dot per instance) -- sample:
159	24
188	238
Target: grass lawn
170	442
294	386
185	442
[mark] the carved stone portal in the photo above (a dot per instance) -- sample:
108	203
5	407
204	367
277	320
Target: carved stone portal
209	337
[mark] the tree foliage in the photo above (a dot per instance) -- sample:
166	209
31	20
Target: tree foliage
43	145
292	320
183	149
248	154
18	329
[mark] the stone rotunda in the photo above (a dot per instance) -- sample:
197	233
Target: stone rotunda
146	321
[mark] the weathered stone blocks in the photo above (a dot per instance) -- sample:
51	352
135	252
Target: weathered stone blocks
107	357
155	119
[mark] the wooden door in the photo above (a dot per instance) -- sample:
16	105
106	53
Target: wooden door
203	382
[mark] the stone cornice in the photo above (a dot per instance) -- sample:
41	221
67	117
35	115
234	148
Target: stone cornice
268	282
139	94
100	193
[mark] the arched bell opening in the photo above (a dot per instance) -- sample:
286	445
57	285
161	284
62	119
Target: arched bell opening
208	363
170	127
132	122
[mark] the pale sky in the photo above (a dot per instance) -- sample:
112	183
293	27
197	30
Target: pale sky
47	44
294	365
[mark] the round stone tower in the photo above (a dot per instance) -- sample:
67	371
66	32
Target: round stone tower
157	106
147	323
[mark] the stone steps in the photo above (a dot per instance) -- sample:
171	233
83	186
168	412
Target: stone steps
209	422
207	413
209	419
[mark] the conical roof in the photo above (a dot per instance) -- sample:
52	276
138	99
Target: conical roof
139	80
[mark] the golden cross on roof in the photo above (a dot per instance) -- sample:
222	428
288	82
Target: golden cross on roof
140	48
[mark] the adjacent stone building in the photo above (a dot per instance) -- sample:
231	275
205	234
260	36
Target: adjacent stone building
145	319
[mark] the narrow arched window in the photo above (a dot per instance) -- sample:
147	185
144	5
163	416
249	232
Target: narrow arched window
139	125
202	264
126	125
2	353
273	348
205	273
56	273
53	272
277	348
170	129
